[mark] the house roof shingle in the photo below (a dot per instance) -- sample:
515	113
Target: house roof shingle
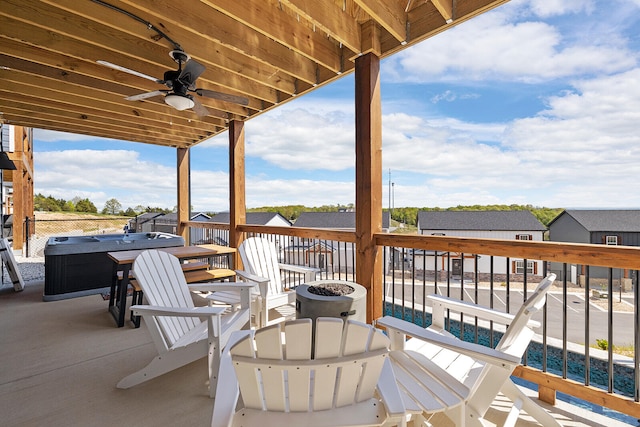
623	220
340	220
479	220
253	218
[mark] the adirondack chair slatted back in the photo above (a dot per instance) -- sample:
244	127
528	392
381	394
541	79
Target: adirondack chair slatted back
518	335
276	371
486	380
514	342
260	257
163	283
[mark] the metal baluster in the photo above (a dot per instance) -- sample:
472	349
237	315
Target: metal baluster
587	315
610	330
564	323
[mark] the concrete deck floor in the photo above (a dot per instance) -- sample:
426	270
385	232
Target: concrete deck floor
60	362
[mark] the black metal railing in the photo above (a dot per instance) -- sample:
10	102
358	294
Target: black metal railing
584	305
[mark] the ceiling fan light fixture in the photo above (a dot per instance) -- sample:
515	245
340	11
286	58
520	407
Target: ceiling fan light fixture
179	102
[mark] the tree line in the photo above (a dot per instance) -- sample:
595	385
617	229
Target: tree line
409	215
78	204
405	215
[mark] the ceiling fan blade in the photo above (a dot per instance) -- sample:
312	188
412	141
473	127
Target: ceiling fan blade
146	95
199	109
191	72
126	70
222	96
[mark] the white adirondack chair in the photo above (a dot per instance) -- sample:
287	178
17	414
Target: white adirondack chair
260	259
182	332
484	371
282	382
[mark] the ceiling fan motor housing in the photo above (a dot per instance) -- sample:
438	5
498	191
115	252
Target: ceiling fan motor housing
180	56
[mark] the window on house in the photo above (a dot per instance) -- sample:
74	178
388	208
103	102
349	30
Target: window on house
524	237
520	267
611	240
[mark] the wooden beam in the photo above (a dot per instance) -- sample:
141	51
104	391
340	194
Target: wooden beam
65	86
270	21
389	14
84	39
331	19
29	66
184	192
220	28
369	181
625	257
445	7
217	57
28	106
237	202
371	38
579	390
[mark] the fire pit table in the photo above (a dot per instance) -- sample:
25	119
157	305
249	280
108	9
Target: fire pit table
331	298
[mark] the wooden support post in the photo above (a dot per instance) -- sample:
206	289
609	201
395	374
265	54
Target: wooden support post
184	194
369	181
547	394
237	202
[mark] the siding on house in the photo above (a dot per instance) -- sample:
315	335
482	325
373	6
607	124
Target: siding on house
510	225
334	220
256	218
334	256
253	218
593	226
481	222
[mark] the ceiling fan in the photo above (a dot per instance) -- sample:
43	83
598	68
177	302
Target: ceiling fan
181	83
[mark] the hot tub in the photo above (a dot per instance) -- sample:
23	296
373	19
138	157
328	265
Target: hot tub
78	265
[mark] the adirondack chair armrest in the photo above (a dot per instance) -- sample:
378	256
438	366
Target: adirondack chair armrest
222	286
398	330
476	310
155	310
468	308
228	391
251	277
389	392
262	282
309	272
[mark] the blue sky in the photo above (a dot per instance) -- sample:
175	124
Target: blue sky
536	102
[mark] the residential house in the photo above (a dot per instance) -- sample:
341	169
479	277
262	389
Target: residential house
596	226
143	223
253	218
167	223
326	255
515	225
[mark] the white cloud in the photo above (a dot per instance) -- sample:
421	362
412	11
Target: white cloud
104	174
549	8
498	46
581	151
450	96
299	139
277	192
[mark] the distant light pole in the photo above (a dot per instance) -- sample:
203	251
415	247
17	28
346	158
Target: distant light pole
389	193
393	195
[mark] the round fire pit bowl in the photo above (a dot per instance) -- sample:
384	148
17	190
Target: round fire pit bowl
331	298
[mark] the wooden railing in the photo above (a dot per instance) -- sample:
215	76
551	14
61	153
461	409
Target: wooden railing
613	257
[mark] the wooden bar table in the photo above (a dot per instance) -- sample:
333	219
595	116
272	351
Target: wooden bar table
123	261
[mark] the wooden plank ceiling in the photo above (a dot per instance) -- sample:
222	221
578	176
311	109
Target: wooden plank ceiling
262	52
